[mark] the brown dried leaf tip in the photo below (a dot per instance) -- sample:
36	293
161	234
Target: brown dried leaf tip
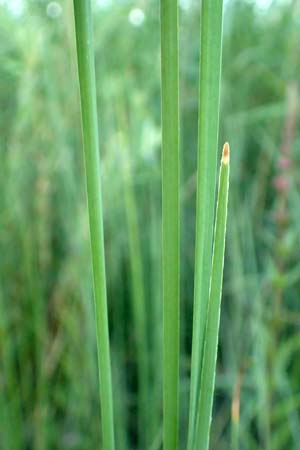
226	153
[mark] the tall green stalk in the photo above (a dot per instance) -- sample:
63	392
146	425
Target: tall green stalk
209	91
170	218
204	403
86	69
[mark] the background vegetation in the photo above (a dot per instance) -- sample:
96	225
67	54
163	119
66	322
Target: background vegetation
48	373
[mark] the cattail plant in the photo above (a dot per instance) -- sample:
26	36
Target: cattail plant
86	71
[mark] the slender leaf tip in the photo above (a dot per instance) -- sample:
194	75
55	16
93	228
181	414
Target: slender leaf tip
226	153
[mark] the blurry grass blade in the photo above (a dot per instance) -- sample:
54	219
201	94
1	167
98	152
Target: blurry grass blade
204	405
86	69
138	294
209	91
235	412
170	218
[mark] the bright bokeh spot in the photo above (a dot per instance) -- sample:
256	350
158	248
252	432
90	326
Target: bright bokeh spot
54	10
16	7
104	3
136	17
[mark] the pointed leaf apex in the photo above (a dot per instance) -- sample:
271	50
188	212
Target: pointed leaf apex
226	153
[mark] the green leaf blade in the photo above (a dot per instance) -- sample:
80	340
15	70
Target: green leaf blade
170	218
209	99
204	407
86	71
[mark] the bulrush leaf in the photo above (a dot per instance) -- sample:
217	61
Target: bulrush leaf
170	218
208	117
86	70
204	403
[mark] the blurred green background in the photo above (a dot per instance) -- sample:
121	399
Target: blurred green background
48	373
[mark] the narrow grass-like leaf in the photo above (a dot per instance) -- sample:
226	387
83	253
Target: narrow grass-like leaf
235	412
209	91
204	404
86	70
170	218
138	304
138	294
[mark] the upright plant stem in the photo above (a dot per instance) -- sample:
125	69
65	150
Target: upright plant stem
86	69
170	218
138	294
204	403
209	91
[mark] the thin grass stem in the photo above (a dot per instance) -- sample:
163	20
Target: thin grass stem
86	70
204	405
209	99
170	219
138	294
